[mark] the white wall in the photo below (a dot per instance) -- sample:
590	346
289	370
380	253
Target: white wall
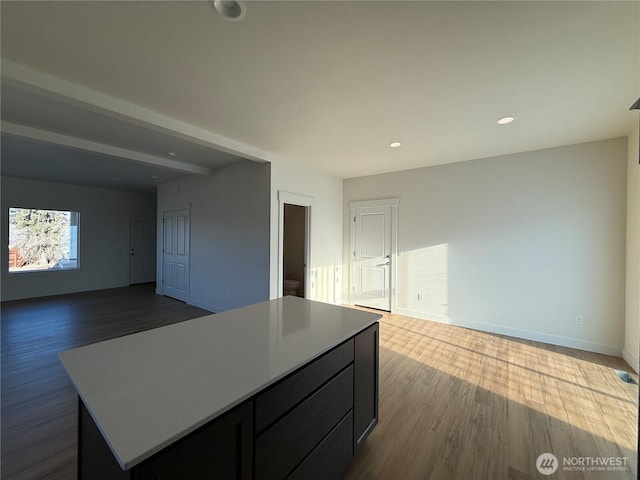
519	244
326	227
632	317
229	238
104	236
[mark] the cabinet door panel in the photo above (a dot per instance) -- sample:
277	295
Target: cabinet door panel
365	363
221	450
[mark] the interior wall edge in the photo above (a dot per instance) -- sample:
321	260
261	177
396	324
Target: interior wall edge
631	360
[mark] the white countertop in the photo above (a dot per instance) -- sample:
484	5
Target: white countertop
147	390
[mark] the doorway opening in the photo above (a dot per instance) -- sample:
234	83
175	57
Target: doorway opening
294	250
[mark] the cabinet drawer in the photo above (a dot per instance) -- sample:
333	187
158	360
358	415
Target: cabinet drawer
283	446
280	398
331	458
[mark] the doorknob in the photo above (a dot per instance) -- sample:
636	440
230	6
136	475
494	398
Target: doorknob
383	264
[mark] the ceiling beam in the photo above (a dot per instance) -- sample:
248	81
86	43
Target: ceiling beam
29	79
95	147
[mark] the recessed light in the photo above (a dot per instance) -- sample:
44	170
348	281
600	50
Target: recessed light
505	120
155	177
395	144
171	154
229	9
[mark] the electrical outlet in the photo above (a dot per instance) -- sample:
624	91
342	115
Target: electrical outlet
419	297
579	320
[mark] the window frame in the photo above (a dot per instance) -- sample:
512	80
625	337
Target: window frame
73	243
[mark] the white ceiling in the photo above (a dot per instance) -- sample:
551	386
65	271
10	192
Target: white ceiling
326	84
25	158
36	144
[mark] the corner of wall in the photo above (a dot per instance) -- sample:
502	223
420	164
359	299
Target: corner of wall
631	352
631	360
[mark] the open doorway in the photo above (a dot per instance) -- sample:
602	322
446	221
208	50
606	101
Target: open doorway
294	255
294	249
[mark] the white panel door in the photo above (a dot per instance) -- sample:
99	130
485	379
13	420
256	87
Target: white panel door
372	257
175	264
142	250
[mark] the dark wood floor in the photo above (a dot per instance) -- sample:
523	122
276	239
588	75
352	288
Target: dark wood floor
454	403
39	405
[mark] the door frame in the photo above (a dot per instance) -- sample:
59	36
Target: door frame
160	251
382	202
132	219
301	201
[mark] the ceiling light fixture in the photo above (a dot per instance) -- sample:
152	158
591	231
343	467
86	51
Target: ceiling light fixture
171	154
505	120
395	144
229	9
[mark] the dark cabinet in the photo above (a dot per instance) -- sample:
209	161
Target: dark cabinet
283	446
95	460
365	394
221	449
282	397
306	426
330	460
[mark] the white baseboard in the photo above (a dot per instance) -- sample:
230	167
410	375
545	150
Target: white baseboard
518	333
434	317
631	360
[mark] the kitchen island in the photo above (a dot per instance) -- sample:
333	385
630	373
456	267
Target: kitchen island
283	388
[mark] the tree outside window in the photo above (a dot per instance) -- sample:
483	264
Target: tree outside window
42	239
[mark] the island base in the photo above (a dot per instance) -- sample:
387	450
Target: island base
306	426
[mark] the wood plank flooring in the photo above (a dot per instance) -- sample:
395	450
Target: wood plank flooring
461	404
454	403
39	404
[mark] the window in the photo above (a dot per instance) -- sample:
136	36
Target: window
41	240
